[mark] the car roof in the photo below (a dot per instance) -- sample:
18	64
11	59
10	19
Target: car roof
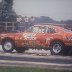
56	27
52	26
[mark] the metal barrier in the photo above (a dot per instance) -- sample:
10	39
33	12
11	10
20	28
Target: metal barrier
11	26
7	26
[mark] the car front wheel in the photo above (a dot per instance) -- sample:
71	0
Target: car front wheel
7	46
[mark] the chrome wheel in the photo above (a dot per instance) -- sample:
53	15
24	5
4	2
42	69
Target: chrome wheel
8	45
57	48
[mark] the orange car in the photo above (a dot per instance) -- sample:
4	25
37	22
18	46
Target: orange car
45	37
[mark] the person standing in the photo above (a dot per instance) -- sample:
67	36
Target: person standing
31	20
26	22
17	27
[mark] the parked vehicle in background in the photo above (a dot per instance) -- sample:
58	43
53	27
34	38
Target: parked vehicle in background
47	37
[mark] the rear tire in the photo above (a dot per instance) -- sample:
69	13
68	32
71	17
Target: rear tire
7	45
57	48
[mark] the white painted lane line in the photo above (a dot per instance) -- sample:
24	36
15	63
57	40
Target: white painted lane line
34	63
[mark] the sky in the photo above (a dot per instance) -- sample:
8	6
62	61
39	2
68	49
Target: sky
56	9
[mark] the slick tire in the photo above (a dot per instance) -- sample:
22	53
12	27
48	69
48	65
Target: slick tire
57	48
7	46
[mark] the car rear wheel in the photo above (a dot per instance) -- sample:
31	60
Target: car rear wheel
7	46
57	48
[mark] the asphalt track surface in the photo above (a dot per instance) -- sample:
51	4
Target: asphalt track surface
35	57
32	59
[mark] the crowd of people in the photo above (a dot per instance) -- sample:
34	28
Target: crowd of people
21	24
24	23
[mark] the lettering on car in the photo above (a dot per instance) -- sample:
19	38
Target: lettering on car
29	36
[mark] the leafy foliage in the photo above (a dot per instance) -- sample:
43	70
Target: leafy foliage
6	12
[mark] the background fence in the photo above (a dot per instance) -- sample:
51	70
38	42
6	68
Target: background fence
14	26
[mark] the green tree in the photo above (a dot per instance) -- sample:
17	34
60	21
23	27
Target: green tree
6	12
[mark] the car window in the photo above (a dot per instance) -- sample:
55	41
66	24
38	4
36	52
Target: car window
30	29
36	29
39	29
51	30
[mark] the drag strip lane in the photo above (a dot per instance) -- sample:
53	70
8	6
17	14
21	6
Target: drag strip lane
33	59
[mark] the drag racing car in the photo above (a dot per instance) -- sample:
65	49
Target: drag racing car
48	37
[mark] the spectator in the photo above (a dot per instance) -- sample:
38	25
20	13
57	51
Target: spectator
31	20
18	23
26	22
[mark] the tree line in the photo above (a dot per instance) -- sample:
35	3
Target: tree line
7	14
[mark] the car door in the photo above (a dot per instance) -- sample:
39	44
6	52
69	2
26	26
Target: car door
41	36
44	35
35	37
